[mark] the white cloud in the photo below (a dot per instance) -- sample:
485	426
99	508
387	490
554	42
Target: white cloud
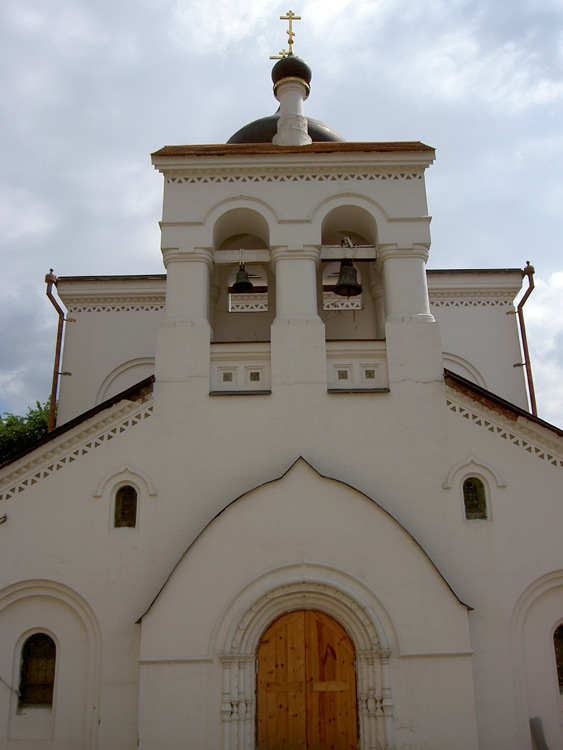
457	68
213	27
23	214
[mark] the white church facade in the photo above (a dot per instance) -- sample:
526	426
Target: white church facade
276	516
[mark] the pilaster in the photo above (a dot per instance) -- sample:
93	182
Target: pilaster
183	340
298	333
414	349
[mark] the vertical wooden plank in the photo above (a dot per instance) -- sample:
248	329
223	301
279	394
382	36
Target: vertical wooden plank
280	701
331	685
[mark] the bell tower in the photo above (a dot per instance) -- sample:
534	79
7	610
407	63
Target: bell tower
295	259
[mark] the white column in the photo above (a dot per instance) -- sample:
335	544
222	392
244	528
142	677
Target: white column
387	701
404	282
187	286
296	283
183	340
414	350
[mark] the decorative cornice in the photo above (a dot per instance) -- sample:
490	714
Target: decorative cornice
513	428
103	302
292	174
471	297
51	457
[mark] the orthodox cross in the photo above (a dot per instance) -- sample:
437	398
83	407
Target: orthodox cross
290	17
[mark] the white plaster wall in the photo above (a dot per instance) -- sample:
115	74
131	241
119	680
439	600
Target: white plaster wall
478	326
110	342
200	453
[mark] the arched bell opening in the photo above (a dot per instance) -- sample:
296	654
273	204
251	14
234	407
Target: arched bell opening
241	306
347	275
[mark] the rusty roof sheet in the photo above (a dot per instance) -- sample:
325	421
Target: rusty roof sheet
494	402
327	147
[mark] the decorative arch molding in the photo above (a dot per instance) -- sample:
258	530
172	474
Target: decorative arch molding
145	363
463	367
45	589
470	466
130	475
263	209
297	587
345	200
545	593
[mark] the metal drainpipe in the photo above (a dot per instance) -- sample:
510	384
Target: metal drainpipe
529	272
51	279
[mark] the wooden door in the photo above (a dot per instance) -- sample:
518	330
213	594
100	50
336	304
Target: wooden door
306	692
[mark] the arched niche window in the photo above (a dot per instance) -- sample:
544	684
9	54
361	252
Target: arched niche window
125	512
37	672
558	648
474	499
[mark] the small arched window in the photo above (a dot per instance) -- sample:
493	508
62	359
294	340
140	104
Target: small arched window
37	673
558	648
474	499
125	514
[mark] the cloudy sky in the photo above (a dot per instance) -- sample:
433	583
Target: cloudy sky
90	89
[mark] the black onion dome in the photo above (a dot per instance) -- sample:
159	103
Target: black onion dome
264	129
291	66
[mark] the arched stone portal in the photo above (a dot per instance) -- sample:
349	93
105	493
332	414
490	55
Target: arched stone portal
374	702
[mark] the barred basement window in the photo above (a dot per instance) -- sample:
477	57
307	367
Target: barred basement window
125	507
37	673
474	499
558	647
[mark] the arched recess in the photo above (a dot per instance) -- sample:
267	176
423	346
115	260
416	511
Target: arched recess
348	220
241	226
464	368
349	213
124	376
50	607
536	615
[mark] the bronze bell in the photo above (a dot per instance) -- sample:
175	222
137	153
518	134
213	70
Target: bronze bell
242	282
347	284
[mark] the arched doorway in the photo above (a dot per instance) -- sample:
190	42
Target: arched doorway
306	685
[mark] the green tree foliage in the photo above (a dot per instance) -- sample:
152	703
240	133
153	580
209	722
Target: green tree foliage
18	433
